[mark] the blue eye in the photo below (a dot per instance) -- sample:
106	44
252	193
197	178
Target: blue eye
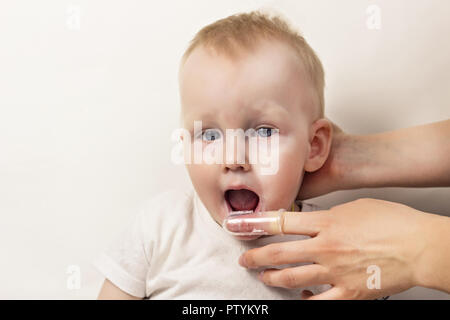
266	132
211	135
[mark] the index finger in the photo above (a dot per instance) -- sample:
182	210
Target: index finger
275	222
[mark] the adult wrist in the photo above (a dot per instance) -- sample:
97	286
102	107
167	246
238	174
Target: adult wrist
375	161
432	269
357	162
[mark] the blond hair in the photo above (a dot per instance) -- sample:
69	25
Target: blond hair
244	30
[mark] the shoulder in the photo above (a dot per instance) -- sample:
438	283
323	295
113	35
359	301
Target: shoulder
173	199
165	210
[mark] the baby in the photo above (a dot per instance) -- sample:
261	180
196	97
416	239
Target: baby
252	72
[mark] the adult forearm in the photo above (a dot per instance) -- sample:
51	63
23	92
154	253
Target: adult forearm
412	157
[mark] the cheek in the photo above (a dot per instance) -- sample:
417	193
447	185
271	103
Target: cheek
282	188
204	179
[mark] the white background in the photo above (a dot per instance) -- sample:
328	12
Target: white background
89	99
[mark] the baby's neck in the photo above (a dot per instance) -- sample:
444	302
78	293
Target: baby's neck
294	207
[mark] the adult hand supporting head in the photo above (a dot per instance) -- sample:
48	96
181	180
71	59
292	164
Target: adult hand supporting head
386	159
331	176
348	241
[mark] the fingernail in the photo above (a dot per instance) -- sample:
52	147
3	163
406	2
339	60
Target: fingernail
306	294
242	261
260	275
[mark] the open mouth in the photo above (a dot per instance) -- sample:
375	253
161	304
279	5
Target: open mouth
241	200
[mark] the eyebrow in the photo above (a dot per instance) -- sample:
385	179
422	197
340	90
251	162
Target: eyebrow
266	106
259	108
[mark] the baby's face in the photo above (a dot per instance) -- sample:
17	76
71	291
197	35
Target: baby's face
265	90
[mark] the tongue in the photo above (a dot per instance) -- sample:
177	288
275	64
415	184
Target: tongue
243	199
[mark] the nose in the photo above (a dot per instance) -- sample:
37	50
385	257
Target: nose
239	161
237	166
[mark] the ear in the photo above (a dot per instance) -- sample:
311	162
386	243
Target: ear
320	143
183	131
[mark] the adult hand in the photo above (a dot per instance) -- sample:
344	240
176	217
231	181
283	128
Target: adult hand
398	158
406	246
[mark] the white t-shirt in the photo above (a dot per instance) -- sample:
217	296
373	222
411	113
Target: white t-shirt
173	249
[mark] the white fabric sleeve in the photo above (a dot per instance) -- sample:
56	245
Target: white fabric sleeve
125	262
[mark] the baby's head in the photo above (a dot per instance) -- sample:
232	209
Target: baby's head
252	71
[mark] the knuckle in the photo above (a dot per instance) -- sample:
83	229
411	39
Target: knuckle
288	279
326	273
336	207
275	253
338	270
327	248
350	250
365	200
338	248
326	221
